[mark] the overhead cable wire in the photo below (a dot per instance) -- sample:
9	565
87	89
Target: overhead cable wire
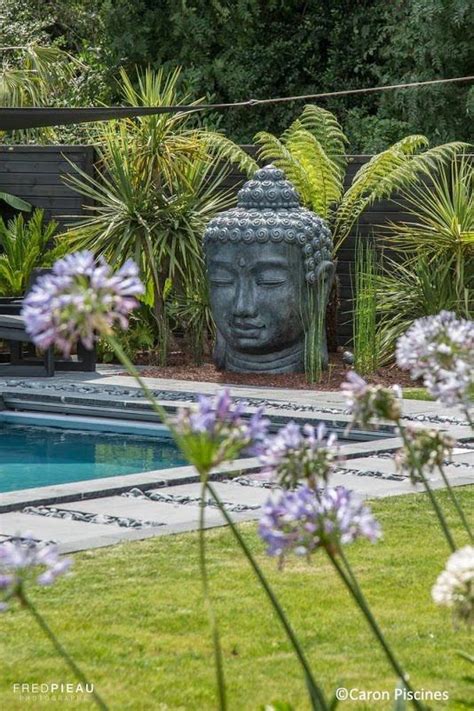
12	119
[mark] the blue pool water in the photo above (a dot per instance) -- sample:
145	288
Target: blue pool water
41	456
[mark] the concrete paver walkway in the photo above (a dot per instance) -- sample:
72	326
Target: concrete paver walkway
147	511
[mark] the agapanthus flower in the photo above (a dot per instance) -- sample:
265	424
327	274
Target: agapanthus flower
24	560
81	299
304	519
454	587
368	402
216	431
298	454
428	449
440	349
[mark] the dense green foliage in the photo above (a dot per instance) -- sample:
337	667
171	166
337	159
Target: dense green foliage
25	245
249	48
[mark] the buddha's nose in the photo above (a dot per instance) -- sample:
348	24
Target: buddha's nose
245	304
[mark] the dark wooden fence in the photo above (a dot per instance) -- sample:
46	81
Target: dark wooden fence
36	174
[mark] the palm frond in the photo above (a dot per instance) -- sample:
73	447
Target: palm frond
325	127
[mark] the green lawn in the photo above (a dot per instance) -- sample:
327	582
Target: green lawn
133	617
416	394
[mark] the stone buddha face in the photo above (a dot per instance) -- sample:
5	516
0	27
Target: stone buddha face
256	295
268	266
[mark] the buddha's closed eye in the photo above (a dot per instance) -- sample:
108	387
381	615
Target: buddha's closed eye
271	278
224	280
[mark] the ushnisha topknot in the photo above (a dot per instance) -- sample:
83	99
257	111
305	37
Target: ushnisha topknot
269	210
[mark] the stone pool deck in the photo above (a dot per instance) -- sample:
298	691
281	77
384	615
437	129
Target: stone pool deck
79	516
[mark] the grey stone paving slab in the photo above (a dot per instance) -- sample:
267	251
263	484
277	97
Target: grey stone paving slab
49	529
466	455
232	493
144	510
387	466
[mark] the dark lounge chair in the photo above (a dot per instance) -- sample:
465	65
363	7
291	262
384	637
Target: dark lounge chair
25	362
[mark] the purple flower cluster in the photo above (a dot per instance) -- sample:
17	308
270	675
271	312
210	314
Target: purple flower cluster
300	454
216	431
367	402
303	520
440	349
23	558
427	449
80	300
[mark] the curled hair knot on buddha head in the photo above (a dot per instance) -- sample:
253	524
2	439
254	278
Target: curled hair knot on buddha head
269	210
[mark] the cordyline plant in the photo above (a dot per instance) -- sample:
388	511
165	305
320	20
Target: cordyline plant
158	184
83	299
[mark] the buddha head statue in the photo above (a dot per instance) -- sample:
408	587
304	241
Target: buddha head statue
269	267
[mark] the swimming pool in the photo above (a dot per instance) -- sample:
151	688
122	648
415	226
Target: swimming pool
35	456
58	456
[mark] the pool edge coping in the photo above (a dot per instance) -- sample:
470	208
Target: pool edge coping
158	478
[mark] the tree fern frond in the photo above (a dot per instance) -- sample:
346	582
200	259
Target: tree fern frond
274	151
328	131
226	150
323	174
386	173
433	158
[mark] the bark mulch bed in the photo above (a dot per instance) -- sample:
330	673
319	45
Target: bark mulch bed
331	379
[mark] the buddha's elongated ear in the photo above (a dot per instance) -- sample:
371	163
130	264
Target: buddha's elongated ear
325	272
219	351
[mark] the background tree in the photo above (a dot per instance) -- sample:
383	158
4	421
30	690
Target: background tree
249	48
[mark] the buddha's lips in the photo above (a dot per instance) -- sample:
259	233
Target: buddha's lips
246	327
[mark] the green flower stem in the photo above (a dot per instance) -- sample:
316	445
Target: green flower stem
352	585
202	543
469	418
26	602
424	480
456	503
317	696
208	602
